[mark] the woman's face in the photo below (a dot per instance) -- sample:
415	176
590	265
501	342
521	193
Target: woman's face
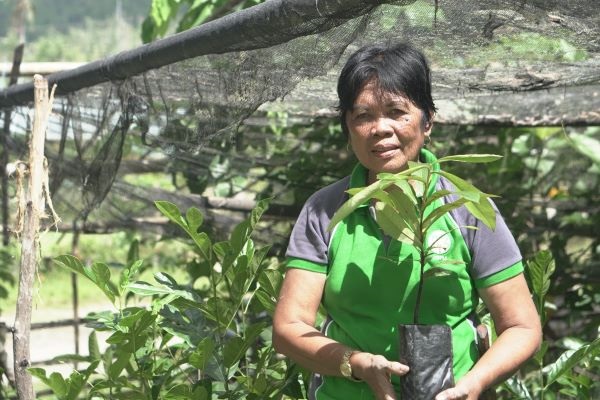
385	130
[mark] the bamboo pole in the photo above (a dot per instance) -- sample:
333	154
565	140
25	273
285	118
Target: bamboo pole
34	210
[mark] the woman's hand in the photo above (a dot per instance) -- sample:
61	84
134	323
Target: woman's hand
462	391
519	335
376	371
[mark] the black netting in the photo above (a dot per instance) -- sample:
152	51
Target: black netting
198	105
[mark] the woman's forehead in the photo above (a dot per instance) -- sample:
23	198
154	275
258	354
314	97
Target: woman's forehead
373	92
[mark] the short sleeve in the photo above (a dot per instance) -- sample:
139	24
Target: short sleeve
495	256
500	276
493	251
308	247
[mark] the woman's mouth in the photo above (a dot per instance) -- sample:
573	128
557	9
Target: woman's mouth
385	151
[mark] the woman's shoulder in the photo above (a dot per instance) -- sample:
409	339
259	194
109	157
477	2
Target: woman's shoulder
329	198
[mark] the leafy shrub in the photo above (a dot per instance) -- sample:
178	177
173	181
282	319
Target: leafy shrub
188	343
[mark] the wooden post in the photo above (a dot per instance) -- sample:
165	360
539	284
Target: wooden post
14	76
29	239
75	291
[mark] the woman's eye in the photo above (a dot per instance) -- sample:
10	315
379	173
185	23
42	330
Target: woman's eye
396	112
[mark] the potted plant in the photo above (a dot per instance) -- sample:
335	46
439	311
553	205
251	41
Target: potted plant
404	209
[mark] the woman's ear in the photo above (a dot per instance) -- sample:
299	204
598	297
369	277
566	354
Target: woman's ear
427	127
427	123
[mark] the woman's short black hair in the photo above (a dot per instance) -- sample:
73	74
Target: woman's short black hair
398	68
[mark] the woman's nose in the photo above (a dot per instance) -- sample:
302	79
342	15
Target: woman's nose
382	127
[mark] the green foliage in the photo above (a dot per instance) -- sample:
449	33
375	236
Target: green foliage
549	190
65	389
187	343
567	374
531	46
420	13
61	15
540	270
186	14
88	34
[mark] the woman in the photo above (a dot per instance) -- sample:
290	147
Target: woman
362	278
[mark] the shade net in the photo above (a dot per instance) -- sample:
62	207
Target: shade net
239	108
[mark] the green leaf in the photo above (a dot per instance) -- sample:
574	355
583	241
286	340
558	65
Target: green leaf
236	348
93	348
99	274
407	189
70	358
171	211
241	280
383	196
471	158
405	207
222	189
218	169
420	178
161	10
257	259
218	310
239	236
258	210
438	194
483	211
196	15
55	381
459	183
203	243
73	264
586	145
539	355
440	212
117	366
270	280
58	384
356	201
202	354
395	227
146	289
266	300
518	388
472	196
540	269
194	218
568	360
129	272
133	254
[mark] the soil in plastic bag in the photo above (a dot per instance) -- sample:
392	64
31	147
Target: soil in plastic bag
427	350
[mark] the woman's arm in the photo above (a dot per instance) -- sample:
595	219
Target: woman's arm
519	336
294	335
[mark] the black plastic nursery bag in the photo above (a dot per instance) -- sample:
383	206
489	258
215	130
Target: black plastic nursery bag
427	350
